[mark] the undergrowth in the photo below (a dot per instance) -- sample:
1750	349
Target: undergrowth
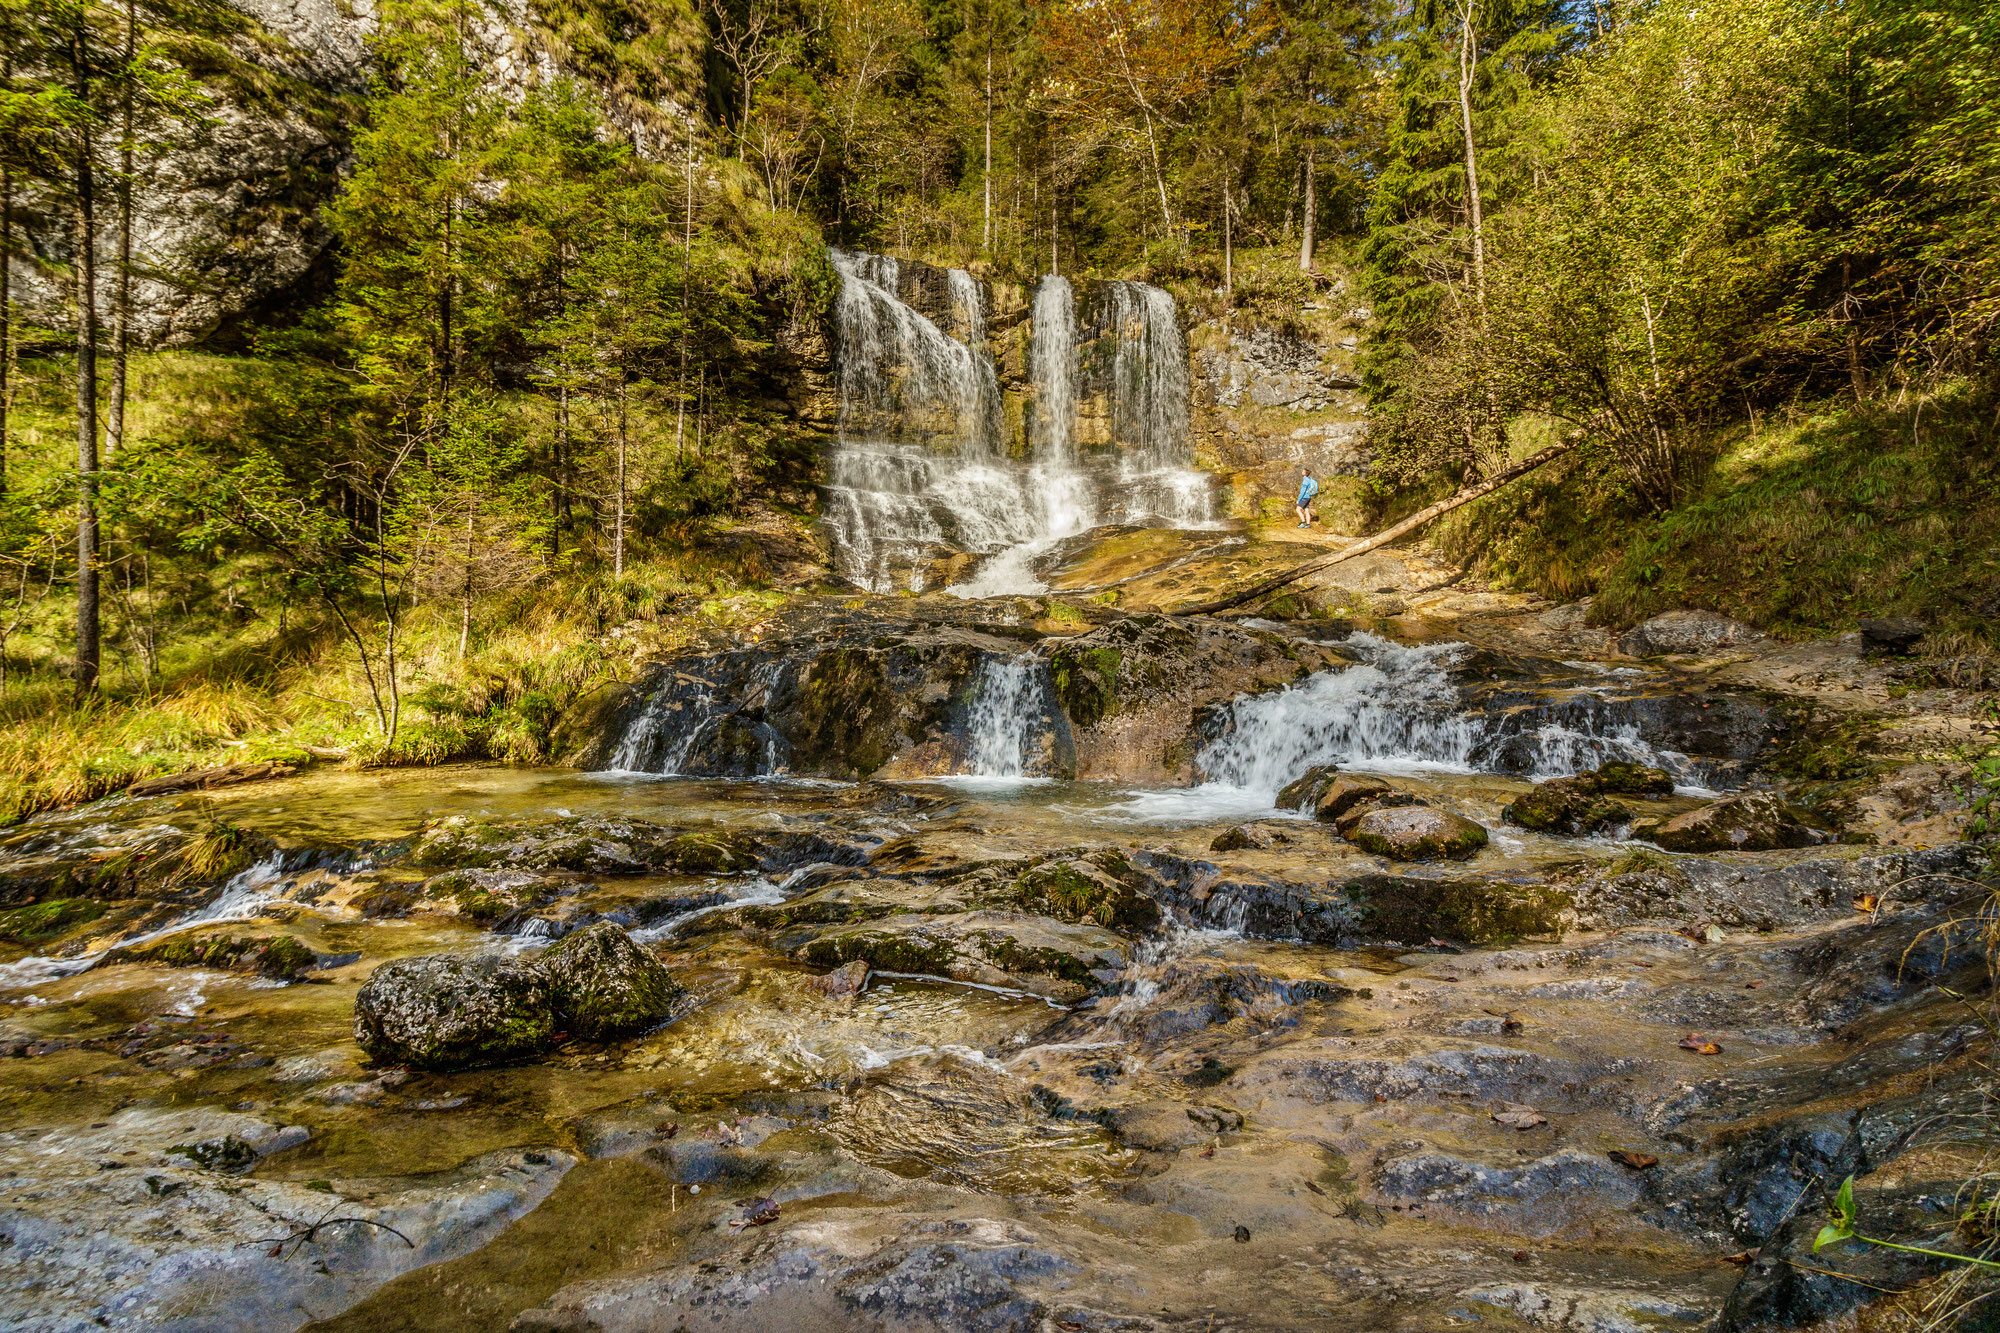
1801	527
539	663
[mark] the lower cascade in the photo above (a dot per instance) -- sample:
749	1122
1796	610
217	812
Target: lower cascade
1400	710
1009	710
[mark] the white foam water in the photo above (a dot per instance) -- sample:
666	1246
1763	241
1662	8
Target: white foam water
1006	713
243	898
1400	711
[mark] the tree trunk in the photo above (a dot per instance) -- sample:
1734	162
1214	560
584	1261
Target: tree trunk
1387	535
687	266
121	291
618	525
1309	209
465	589
6	302
986	175
88	647
1228	247
1466	69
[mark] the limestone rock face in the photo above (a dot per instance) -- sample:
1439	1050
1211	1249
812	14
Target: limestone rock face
1757	822
1264	367
1134	690
452	1012
1417	833
607	986
228	221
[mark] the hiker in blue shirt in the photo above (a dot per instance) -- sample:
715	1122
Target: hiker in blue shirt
1308	488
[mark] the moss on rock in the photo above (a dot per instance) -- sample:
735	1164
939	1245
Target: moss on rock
47	920
605	985
1416	833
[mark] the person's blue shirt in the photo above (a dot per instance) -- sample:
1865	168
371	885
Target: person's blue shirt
1308	488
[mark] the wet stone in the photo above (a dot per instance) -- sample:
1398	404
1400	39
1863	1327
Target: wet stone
1417	833
604	985
1756	822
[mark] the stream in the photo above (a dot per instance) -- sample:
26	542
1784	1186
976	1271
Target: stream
1315	1089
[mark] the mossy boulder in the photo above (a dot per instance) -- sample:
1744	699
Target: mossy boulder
606	985
1565	805
711	853
282	957
1622	778
1326	793
588	845
1408	910
485	896
452	1011
1417	833
1755	822
1100	889
1060	960
47	920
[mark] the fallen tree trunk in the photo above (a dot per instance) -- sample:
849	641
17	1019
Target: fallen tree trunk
1389	534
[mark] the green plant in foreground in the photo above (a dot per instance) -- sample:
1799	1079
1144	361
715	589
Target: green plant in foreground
1842	1228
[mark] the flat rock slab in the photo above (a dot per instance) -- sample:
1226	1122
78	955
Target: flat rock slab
142	1224
1045	957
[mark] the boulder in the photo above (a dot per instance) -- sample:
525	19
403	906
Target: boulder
1258	837
1565	805
1688	633
1327	793
1756	822
844	981
1894	637
282	957
1630	779
1344	824
604	985
1417	833
1029	953
1099	889
451	1011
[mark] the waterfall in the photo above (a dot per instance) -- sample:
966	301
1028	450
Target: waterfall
1399	710
1149	408
1052	365
920	471
1006	712
917	466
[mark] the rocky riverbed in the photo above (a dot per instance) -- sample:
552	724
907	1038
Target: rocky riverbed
1030	965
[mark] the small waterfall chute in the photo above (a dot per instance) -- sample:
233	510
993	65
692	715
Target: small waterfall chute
1399	710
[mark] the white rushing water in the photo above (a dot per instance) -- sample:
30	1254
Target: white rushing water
1006	712
1397	711
243	898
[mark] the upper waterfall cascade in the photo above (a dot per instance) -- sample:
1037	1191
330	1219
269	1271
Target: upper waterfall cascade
921	468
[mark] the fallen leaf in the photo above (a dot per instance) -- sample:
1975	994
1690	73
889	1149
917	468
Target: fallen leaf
1637	1161
1522	1119
1866	903
1693	1042
1740	1257
756	1213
